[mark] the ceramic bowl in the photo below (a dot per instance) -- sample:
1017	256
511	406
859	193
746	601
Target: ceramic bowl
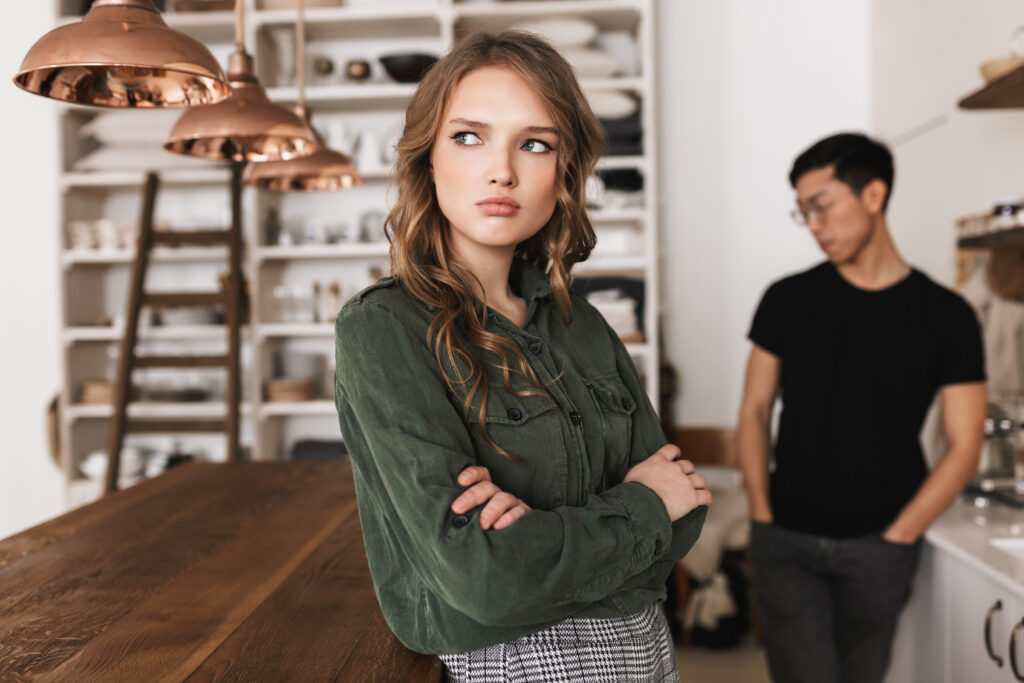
407	68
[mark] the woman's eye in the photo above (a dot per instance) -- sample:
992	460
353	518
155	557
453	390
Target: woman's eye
537	146
466	138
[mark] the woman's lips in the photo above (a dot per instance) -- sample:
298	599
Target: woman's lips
499	206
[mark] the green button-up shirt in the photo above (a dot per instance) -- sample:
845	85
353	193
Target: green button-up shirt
592	546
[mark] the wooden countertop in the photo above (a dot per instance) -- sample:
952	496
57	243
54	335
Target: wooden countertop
248	571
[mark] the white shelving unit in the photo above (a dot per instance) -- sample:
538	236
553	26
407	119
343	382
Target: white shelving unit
94	281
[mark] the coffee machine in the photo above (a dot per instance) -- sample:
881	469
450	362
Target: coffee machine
1000	474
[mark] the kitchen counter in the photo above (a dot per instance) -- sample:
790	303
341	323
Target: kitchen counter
247	571
965	531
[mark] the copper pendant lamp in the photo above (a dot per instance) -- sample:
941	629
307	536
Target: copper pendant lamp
325	169
122	54
246	126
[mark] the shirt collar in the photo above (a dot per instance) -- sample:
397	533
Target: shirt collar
529	281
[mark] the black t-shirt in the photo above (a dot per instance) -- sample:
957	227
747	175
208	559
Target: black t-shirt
859	370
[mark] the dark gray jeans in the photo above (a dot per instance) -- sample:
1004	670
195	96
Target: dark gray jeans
830	605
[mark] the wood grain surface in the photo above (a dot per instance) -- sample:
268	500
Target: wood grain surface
209	572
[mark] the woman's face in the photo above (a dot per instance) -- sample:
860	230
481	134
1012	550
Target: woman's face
495	163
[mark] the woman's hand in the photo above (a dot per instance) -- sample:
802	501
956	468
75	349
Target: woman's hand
675	481
501	508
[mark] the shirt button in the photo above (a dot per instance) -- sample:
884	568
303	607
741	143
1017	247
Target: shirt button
460	521
625	404
536	347
575	417
657	546
514	414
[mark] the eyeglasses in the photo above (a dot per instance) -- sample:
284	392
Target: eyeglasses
814	212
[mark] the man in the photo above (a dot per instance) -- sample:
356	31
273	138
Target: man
857	347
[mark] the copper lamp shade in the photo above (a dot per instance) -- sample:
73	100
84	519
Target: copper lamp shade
245	127
122	54
325	169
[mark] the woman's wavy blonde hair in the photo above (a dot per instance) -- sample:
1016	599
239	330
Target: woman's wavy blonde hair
421	254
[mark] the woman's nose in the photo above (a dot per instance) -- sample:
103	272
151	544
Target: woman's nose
501	172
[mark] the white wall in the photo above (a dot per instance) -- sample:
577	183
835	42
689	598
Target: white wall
924	57
744	86
31	487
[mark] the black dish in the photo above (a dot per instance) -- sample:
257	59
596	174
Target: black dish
407	68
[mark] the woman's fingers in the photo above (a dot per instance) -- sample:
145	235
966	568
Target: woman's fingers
512	515
496	507
698	481
473	474
501	508
475	495
703	497
669	451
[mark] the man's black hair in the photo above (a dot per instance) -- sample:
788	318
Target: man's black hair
856	159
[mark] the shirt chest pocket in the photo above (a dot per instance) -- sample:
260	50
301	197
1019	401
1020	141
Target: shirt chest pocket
616	407
529	428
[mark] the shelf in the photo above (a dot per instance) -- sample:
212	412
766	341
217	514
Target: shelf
609	15
605	163
611	263
182	20
73	257
99	333
386	95
297	408
413	20
1010	237
618	215
375	173
181	176
1003	93
212	409
269	330
634	84
324	251
397	94
206	27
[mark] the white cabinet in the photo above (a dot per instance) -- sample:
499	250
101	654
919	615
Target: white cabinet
958	626
982	617
94	280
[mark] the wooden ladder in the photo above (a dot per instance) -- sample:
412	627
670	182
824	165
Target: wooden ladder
231	301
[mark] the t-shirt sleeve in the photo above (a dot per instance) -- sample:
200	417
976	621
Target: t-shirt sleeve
962	355
766	328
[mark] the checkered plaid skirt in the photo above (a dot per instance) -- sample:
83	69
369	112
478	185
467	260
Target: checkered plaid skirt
636	648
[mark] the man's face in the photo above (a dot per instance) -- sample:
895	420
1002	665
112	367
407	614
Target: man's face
841	221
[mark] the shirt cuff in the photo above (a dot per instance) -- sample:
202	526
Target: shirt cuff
648	519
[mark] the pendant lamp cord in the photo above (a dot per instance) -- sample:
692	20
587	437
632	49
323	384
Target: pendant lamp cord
239	26
300	49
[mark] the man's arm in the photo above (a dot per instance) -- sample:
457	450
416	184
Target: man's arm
761	386
963	422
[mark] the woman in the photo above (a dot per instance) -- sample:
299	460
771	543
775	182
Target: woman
520	507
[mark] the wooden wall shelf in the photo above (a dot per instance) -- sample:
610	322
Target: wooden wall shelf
1011	237
1004	93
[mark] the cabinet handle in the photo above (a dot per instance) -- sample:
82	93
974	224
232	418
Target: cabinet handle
996	606
1013	650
